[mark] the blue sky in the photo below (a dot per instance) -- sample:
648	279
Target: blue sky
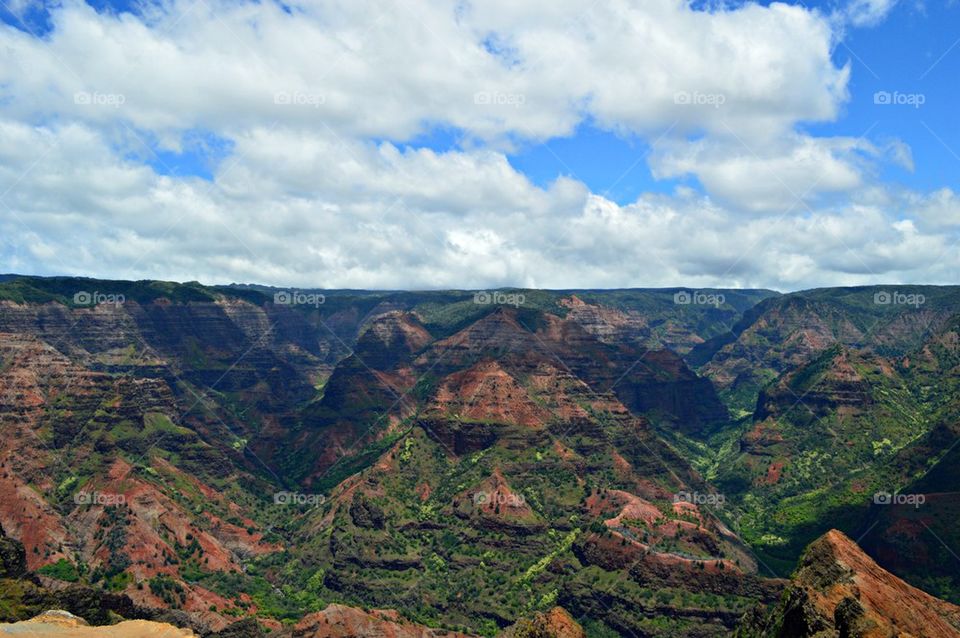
916	49
913	51
509	145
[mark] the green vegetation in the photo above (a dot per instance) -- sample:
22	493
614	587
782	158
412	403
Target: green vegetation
62	570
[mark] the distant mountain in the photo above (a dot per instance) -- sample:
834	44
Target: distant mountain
782	332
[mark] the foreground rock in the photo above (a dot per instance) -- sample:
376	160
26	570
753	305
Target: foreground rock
66	625
840	592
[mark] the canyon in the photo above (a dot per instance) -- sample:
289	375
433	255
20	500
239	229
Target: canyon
226	461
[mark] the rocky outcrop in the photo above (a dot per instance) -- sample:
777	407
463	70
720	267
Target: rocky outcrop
838	591
485	404
486	392
366	513
782	333
646	380
494	505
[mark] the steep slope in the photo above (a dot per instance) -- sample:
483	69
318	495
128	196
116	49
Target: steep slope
366	396
861	442
781	333
819	446
918	541
396	366
666	318
139	434
99	481
501	531
26	600
655	383
840	591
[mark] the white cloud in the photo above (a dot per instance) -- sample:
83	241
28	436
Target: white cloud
939	210
389	218
778	177
386	69
311	195
868	13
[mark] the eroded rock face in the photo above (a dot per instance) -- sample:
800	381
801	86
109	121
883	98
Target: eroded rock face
778	335
390	338
839	591
608	324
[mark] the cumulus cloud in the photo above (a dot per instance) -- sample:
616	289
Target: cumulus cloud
780	176
939	210
318	102
388	69
391	218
